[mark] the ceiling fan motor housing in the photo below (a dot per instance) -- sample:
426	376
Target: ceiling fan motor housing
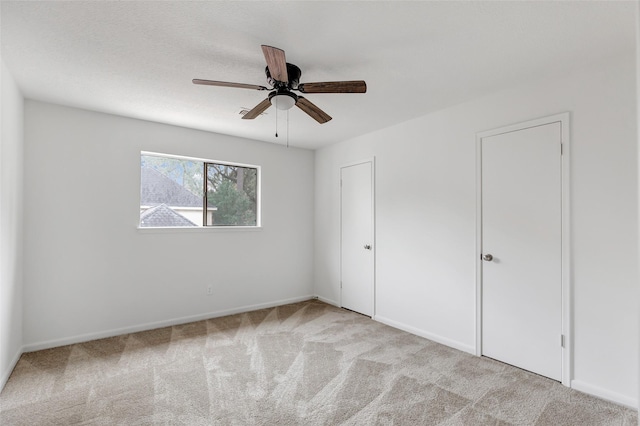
293	73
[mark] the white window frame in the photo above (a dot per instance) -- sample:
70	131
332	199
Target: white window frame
207	228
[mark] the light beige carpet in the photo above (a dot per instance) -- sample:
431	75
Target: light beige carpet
302	364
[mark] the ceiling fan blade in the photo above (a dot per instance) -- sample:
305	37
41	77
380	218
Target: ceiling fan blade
276	62
316	113
227	84
356	86
257	110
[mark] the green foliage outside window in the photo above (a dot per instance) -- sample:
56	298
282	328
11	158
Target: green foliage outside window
233	191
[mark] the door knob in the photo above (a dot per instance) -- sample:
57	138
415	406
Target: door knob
487	257
367	247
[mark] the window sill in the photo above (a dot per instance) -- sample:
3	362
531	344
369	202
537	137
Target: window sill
196	229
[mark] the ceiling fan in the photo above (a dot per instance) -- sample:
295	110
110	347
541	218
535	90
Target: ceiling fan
283	78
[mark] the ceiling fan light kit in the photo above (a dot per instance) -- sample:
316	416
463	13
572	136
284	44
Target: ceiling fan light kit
284	77
283	100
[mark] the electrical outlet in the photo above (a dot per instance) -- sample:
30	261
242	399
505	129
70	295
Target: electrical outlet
209	290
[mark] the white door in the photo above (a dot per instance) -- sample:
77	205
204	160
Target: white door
522	248
357	260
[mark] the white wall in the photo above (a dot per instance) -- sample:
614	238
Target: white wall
11	152
90	272
425	212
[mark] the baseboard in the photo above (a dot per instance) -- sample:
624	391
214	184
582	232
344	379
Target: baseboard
6	374
158	324
436	338
604	394
329	301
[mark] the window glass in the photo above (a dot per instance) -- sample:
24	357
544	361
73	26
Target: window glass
172	193
232	191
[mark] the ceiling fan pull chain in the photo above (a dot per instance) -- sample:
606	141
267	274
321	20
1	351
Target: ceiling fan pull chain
287	128
276	122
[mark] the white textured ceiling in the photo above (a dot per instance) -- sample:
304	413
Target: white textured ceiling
137	59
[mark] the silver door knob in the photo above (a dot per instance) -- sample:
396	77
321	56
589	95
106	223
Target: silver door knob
487	257
367	247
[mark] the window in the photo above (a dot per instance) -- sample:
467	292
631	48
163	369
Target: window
172	192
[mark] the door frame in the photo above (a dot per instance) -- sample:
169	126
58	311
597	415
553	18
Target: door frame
566	283
371	160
